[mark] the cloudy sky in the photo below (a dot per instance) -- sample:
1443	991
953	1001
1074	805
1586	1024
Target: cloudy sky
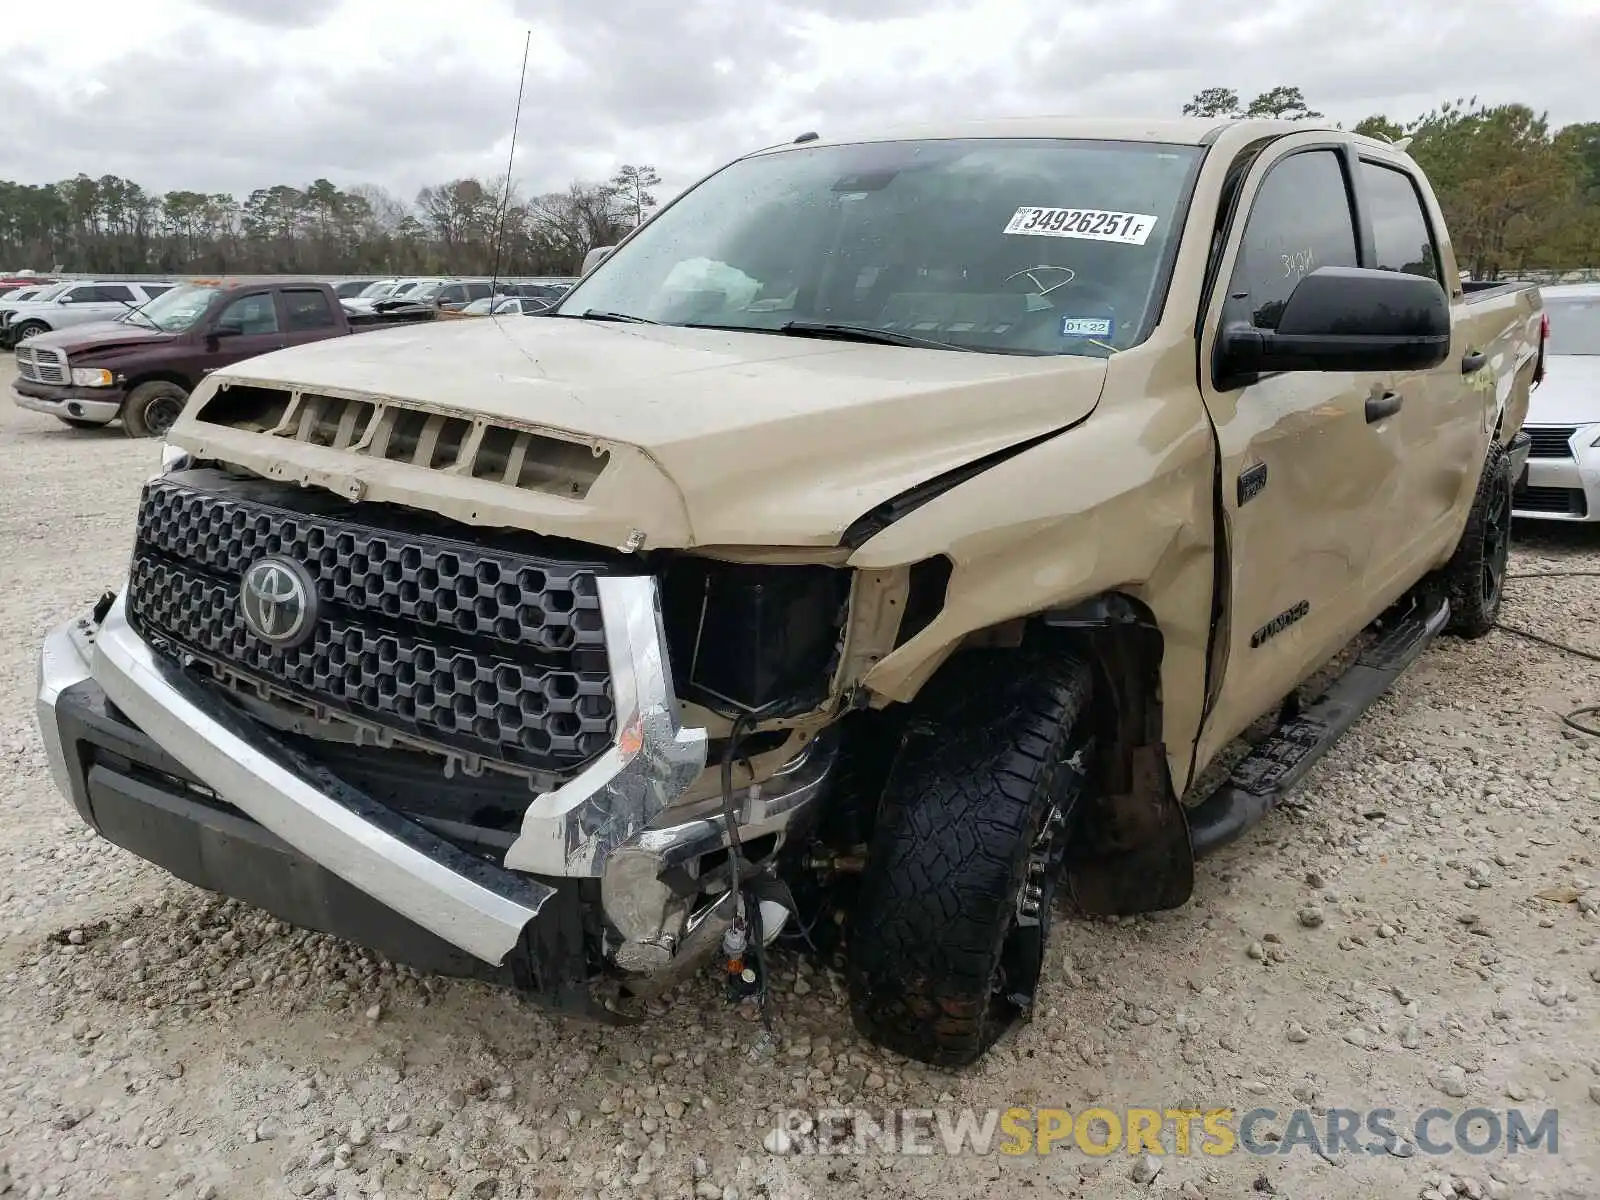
229	95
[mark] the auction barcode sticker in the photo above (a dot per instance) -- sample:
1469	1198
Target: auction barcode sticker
1093	224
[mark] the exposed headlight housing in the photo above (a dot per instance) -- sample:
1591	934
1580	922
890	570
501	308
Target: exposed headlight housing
173	458
92	377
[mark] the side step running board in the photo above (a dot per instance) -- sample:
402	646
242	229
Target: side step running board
1271	770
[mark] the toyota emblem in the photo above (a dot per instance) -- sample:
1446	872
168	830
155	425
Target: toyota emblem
278	600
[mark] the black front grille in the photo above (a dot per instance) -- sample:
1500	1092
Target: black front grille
466	646
1550	441
1558	501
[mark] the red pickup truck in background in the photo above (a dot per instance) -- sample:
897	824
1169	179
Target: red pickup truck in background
142	366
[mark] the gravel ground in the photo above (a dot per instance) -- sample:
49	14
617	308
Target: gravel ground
1417	930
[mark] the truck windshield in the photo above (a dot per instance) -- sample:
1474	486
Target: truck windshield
1574	325
175	311
1013	246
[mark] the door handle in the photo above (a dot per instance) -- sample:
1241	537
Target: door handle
1473	361
1386	405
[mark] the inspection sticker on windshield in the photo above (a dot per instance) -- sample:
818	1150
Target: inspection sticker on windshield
1085	327
1093	224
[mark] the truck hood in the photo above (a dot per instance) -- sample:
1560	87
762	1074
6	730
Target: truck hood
100	338
1570	393
758	439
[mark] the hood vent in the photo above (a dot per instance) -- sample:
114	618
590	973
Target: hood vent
384	429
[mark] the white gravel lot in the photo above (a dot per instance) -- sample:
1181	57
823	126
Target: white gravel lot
1382	943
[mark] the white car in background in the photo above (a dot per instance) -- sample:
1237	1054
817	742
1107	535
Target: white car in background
1563	479
76	303
392	289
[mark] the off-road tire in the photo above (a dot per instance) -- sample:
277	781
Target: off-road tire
145	410
988	755
1474	578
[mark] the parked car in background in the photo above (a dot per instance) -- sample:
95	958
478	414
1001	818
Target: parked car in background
500	306
503	305
459	293
142	366
46	292
17	295
1562	481
548	291
399	289
349	289
375	290
81	302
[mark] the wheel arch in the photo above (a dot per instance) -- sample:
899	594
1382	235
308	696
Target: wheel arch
159	375
1130	836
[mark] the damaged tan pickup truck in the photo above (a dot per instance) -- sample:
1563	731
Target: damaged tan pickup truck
890	531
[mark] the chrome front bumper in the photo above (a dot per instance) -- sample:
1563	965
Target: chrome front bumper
603	824
76	408
400	864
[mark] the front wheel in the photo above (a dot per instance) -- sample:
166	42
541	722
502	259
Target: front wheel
948	933
1476	574
27	329
151	408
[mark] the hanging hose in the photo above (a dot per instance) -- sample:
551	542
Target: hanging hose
1570	719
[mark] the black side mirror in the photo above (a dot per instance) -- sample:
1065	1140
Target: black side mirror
1343	319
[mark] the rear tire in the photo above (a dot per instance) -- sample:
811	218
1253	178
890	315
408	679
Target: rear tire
1475	575
953	914
151	408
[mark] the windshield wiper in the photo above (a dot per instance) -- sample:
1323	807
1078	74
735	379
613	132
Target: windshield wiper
865	333
594	314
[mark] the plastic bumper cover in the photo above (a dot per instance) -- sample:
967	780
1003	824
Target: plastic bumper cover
1565	488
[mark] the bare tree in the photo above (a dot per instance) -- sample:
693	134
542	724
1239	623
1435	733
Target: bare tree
632	186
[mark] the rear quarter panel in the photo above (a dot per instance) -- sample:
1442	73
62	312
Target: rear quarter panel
1501	323
1506	324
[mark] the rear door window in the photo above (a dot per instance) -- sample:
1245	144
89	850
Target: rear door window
1300	220
111	293
307	310
1400	233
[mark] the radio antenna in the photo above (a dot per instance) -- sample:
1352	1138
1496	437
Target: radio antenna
505	194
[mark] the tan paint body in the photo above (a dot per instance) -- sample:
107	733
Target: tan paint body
755	447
